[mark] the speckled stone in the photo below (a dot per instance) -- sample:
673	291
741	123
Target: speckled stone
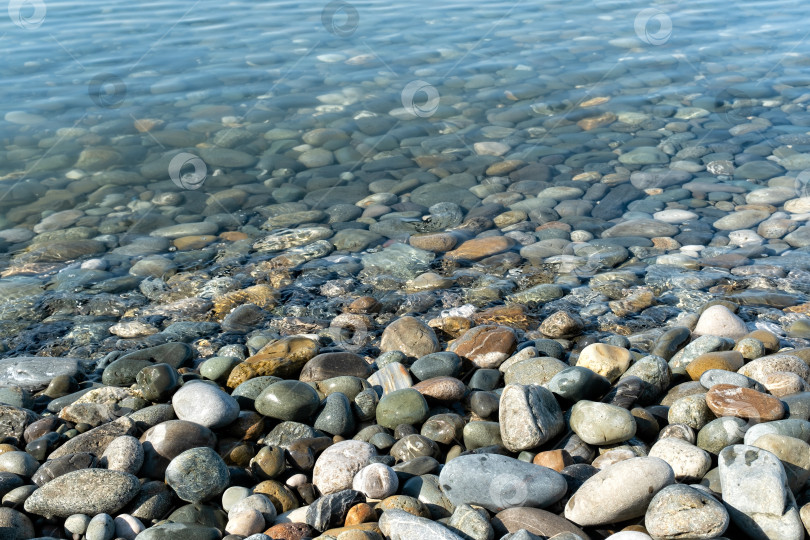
410	336
638	479
756	494
600	423
689	463
529	416
197	475
336	467
680	511
86	491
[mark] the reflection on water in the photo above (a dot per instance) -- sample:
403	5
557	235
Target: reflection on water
143	140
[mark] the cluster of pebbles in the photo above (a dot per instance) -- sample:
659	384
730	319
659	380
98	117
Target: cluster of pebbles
538	311
462	427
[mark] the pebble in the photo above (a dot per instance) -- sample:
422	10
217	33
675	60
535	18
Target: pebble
337	466
529	416
689	463
498	482
680	511
606	360
639	480
198	474
86	491
601	424
205	404
376	481
756	494
719	321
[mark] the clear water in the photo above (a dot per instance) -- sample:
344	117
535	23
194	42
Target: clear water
120	75
83	63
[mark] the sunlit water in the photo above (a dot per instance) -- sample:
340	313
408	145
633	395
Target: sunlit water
99	97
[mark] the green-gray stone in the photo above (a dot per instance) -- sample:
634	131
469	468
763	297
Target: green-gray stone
576	383
478	434
336	416
200	514
721	432
389	357
346	385
427	489
247	392
406	406
157	381
485	379
123	372
217	368
438	364
288	400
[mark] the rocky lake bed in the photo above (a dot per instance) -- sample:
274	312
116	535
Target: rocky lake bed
544	303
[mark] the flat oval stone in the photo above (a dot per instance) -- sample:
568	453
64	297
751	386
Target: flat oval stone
499	482
680	511
600	423
638	479
406	406
288	400
792	427
441	388
606	360
539	371
205	404
440	364
757	369
529	416
400	524
328	365
87	491
689	463
728	400
486	346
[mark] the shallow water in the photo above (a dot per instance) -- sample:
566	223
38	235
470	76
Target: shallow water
145	115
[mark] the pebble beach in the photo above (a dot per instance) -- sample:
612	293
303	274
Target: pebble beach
369	271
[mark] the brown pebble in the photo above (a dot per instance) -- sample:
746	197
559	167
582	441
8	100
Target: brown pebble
442	388
730	400
554	459
360	513
291	531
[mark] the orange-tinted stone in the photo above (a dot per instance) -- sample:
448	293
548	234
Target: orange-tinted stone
436	242
441	388
486	346
233	236
360	513
283	358
333	533
408	504
725	360
290	531
554	459
730	400
513	315
594	122
193	242
478	248
768	339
